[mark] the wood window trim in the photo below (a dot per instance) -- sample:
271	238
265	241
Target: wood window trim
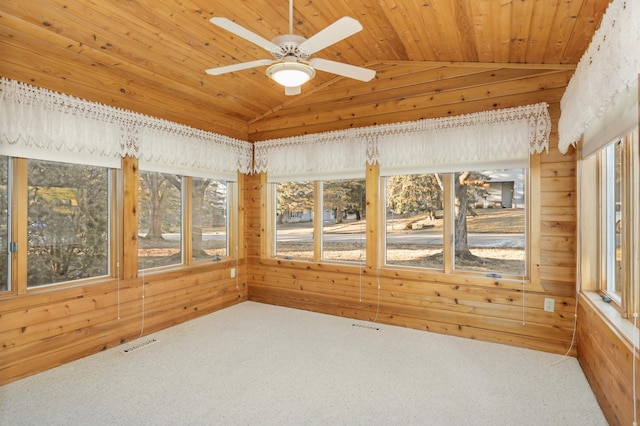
594	280
532	250
375	241
18	232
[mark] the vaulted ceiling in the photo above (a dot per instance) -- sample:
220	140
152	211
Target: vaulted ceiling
433	58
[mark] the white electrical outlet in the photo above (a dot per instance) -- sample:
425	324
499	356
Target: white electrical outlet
549	305
233	272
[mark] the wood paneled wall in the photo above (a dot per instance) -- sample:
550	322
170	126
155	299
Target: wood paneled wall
607	361
44	328
455	305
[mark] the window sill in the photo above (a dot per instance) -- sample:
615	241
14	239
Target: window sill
622	326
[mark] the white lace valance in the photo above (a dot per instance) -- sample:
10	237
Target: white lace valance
38	123
170	147
339	154
487	138
609	67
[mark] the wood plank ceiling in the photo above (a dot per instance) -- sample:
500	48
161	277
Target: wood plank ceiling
433	58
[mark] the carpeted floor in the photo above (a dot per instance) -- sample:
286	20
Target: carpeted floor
255	364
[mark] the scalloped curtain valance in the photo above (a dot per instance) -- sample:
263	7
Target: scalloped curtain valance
38	123
41	124
492	139
601	100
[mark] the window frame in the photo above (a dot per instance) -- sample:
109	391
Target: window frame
319	200
186	246
184	188
448	235
9	221
627	301
272	203
318	225
376	238
119	267
18	232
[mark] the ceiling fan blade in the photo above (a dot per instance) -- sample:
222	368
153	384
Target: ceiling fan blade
244	33
339	30
290	91
240	66
345	70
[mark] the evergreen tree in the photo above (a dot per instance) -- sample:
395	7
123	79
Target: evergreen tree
294	197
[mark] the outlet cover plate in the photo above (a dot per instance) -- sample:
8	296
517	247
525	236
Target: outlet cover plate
549	304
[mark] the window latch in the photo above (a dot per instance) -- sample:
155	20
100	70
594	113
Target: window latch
13	247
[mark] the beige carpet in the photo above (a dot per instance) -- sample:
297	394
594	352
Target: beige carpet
255	364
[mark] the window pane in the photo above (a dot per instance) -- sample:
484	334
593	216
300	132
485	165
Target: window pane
4	223
160	220
343	211
68	222
209	218
489	227
414	220
294	219
613	226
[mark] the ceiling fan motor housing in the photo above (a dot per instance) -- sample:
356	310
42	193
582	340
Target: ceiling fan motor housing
289	46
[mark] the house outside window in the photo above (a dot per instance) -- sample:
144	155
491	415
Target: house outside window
487	211
294	219
344	218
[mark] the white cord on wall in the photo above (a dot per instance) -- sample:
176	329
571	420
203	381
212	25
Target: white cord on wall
524	271
237	250
633	369
378	306
578	268
142	326
523	302
360	271
118	272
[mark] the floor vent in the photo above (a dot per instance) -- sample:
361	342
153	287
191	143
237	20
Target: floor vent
367	326
139	345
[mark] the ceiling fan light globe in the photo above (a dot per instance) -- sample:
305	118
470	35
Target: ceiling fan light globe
290	74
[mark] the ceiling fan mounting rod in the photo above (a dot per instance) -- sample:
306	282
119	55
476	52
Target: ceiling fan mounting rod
291	17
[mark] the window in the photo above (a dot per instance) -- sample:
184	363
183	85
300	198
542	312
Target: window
489	226
338	234
343	220
618	218
294	219
159	220
4	224
415	221
611	222
68	222
485	209
209	232
165	200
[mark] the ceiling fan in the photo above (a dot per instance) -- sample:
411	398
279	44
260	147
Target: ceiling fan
290	67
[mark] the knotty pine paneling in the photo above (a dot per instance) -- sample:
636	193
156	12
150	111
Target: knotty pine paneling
44	329
607	361
454	304
151	57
